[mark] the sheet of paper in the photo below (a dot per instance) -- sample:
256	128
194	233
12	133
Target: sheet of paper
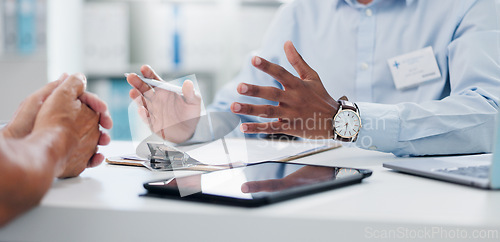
250	150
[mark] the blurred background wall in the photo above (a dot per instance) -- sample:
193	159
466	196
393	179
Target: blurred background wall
40	39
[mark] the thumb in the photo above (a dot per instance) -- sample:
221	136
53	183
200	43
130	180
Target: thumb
188	92
298	63
72	88
24	119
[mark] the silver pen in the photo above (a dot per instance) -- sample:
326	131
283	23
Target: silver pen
160	84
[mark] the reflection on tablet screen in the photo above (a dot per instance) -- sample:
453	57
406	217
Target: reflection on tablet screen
256	181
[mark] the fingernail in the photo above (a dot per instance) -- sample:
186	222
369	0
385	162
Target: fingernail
258	61
244	188
244	127
244	88
237	107
80	76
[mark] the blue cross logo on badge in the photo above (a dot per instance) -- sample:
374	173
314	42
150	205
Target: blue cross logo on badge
396	64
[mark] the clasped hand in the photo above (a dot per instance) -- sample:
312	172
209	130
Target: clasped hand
65	118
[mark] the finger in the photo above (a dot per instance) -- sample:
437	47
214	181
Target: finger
137	83
137	97
188	92
63	77
344	98
104	139
268	93
41	95
139	100
262	186
148	72
134	93
264	128
144	115
73	87
277	72
95	161
105	120
35	101
24	118
144	112
298	63
94	102
264	111
100	107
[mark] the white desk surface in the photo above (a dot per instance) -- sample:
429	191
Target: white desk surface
103	205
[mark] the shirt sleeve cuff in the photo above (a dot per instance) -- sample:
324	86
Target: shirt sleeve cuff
203	132
215	126
380	127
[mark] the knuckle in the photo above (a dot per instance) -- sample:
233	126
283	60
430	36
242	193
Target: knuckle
315	75
252	128
278	94
270	111
255	186
273	128
31	100
275	185
249	109
253	90
264	66
281	72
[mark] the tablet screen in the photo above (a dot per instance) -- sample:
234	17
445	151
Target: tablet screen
254	181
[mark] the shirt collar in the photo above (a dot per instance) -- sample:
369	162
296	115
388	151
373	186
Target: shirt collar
353	3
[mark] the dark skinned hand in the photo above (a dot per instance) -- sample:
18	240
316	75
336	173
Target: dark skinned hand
305	108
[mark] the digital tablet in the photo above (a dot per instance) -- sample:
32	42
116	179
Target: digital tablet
256	185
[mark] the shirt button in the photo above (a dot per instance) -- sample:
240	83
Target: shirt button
364	66
369	12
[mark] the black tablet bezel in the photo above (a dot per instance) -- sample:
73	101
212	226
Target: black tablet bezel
162	192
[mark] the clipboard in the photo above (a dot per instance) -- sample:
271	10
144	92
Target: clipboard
133	160
129	161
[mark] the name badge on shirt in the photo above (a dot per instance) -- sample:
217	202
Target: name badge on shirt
412	69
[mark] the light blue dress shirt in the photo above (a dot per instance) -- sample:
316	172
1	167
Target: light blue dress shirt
349	44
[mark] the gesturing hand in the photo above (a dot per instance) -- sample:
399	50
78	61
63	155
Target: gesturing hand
305	108
170	115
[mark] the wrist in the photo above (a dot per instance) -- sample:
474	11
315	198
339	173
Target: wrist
25	167
331	115
52	143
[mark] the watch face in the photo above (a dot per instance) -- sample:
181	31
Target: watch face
347	124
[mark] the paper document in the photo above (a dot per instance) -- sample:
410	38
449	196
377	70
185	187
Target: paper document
214	155
251	151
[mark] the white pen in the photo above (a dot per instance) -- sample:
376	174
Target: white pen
160	84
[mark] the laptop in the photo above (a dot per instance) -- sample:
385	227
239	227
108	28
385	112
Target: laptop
482	171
